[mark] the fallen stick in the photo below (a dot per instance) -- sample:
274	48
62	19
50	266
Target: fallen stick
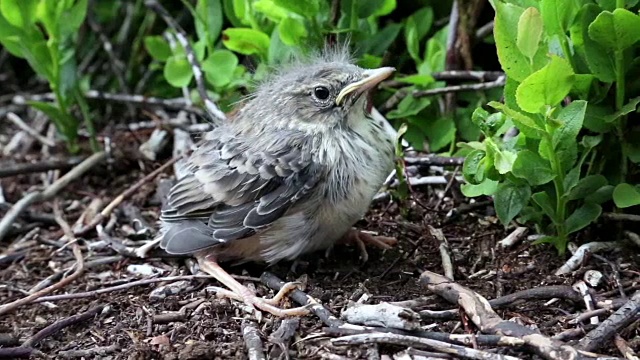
49	192
621	318
96	292
89	353
412	341
61	324
120	198
252	341
483	316
7	170
303	299
17	121
457	339
445	251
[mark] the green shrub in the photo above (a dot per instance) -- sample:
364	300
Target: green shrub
43	32
567	92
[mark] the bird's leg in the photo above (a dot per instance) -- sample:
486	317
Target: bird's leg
209	265
361	239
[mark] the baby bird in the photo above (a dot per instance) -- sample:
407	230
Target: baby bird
289	174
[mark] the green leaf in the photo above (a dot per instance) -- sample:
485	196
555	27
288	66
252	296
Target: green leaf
567	153
543	200
19	13
292	31
271	11
531	167
594	118
157	47
11	38
616	30
380	42
626	195
306	8
66	124
488	123
209	19
415	29
279	52
219	67
601	195
509	200
589	142
73	18
503	161
571	118
473	166
514	63
234	13
582	217
440	133
587	186
246	41
529	32
487	187
525	123
572	178
409	106
418	79
547	86
600	61
631	106
558	15
177	71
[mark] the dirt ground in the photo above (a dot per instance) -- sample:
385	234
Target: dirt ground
135	323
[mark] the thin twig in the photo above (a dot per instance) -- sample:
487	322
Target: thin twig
216	114
61	324
624	316
445	251
412	341
7	170
49	192
77	253
126	286
402	93
123	196
252	341
17	121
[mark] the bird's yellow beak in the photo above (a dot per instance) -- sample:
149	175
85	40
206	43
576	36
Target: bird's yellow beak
371	78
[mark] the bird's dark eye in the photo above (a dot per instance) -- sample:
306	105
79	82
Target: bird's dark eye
321	92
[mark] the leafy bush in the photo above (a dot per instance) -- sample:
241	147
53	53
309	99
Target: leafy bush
567	92
43	32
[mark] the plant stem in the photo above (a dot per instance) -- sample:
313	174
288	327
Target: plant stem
564	43
620	89
88	122
558	183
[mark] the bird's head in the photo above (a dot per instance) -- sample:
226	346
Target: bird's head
326	93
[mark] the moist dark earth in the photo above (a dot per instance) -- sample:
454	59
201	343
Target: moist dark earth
207	327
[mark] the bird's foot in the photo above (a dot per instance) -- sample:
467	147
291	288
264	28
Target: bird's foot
240	292
256	303
361	239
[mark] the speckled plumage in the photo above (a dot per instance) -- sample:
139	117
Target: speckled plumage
290	173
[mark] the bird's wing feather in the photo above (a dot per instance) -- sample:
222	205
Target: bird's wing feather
237	187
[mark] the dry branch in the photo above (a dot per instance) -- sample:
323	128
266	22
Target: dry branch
412	341
483	316
49	192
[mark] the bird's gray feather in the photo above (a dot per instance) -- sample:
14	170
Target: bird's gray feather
235	188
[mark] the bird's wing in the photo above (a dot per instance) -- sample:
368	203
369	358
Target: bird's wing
236	187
